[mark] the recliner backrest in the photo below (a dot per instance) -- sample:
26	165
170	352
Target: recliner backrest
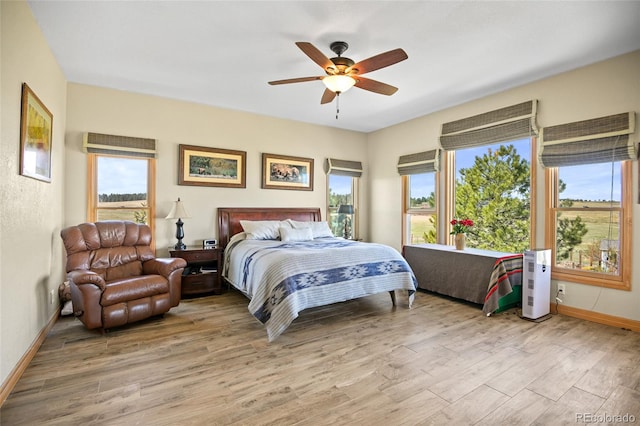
114	248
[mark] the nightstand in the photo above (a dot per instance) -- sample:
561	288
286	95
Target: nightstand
203	272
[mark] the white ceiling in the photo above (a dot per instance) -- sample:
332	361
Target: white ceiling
223	53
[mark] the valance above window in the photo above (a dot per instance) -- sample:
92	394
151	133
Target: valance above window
97	143
598	140
421	162
344	167
501	125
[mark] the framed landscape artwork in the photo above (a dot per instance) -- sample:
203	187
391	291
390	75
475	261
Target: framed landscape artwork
36	123
203	166
285	172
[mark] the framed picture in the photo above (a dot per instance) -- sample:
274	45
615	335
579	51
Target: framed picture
203	166
284	172
36	124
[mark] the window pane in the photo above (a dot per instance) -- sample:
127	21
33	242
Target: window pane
421	225
588	240
340	192
422	228
422	189
122	182
598	183
122	191
588	222
493	187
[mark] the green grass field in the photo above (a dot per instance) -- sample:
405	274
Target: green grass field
114	211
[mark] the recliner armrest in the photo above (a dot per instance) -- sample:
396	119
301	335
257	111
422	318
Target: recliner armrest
80	277
163	266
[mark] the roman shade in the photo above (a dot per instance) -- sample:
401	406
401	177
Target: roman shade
501	125
421	162
597	140
97	143
344	167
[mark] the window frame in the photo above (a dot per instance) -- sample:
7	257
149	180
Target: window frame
407	211
92	188
622	281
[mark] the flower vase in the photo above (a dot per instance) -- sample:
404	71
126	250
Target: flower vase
460	241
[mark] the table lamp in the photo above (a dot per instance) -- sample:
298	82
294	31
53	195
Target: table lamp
178	211
346	209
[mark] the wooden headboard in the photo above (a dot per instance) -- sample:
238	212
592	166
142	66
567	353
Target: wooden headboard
229	218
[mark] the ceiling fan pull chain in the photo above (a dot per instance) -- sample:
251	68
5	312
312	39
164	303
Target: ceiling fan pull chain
337	105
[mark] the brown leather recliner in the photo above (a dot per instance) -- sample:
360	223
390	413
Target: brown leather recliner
114	276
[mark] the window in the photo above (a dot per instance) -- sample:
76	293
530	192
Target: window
588	223
589	202
121	188
492	187
342	190
420	208
490	170
419	183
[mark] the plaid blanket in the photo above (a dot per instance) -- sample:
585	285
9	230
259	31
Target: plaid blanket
507	272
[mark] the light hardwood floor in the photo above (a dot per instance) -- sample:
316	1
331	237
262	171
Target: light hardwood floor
361	362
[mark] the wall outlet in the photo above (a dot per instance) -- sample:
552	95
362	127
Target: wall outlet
562	289
52	297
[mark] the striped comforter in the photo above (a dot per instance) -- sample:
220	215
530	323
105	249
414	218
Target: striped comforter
283	278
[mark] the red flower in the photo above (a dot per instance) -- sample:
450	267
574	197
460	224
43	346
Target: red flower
461	226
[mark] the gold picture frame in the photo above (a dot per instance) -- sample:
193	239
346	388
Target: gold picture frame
286	172
36	130
204	166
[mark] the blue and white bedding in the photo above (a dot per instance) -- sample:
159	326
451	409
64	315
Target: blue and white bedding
283	278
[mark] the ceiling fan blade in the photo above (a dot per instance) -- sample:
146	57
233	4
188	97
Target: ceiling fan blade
375	86
327	96
294	80
316	55
379	61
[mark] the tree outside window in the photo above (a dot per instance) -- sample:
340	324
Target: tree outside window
341	190
493	188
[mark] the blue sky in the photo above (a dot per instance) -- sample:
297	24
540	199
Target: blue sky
591	182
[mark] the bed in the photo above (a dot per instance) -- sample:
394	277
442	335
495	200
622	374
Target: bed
286	260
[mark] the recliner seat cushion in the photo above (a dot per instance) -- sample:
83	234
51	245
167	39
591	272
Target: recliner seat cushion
135	310
127	289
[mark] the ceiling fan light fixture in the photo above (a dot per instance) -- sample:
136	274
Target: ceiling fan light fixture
339	83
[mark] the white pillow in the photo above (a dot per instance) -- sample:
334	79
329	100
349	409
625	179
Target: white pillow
301	234
263	229
238	236
319	229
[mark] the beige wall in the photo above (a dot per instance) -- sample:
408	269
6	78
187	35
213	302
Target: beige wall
604	88
92	109
31	212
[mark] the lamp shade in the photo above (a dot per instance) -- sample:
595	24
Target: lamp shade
338	83
345	209
177	211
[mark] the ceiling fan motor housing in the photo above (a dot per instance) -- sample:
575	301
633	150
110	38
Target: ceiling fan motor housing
341	63
339	47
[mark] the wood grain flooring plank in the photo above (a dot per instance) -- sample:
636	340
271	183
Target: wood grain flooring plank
208	362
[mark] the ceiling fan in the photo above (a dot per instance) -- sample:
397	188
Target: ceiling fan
343	73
